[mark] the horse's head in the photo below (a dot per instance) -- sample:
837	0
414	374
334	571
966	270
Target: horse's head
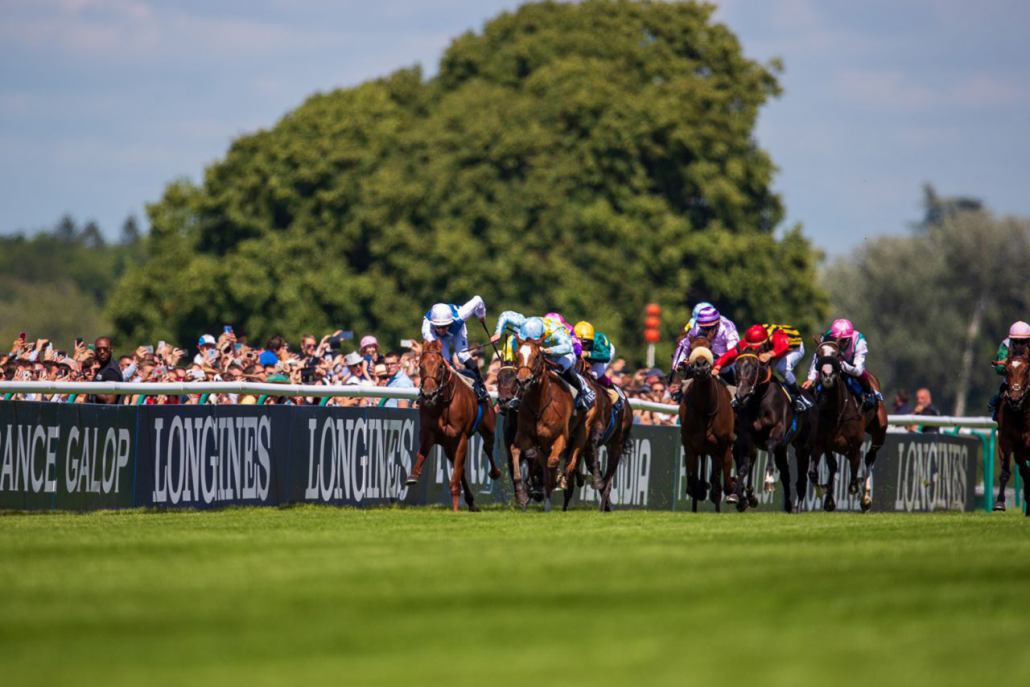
827	361
432	370
750	373
1017	377
699	364
529	364
507	387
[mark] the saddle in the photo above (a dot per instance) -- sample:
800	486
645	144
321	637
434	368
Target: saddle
556	378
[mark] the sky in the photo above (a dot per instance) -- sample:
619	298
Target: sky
103	102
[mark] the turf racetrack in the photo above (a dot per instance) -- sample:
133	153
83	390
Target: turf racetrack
330	596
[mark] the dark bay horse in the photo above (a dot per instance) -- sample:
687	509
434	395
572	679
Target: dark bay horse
605	425
707	427
545	427
841	426
1014	427
766	419
449	414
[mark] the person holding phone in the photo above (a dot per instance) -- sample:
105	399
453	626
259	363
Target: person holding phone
109	370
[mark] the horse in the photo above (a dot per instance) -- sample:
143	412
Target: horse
841	426
507	406
545	426
1014	427
766	419
604	426
450	414
707	424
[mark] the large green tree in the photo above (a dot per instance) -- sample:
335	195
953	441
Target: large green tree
935	304
589	158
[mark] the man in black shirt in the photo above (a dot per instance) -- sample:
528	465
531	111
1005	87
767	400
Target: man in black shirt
109	370
925	406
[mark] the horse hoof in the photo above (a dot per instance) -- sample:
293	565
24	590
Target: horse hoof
537	495
579	480
562	482
411	481
867	503
999	505
732	498
473	508
495	473
829	506
752	501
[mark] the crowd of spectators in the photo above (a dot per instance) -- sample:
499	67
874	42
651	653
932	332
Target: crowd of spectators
331	360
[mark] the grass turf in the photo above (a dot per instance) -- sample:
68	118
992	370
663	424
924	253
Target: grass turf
262	596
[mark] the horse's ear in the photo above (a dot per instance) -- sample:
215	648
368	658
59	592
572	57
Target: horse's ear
432	346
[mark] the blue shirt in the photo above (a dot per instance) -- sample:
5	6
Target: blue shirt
398	381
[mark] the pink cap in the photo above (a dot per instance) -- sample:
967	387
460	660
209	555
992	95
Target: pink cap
1019	330
368	340
841	329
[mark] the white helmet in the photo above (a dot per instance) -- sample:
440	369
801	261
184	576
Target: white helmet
440	315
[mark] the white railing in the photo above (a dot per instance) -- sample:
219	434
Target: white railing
254	388
942	421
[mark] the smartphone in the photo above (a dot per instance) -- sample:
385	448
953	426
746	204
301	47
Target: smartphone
407	343
78	340
227	329
161	344
148	349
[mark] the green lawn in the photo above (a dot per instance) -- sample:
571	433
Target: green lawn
262	596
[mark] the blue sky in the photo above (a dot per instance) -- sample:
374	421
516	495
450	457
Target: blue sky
102	102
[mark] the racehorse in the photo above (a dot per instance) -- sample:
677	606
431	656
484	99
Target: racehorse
449	415
766	419
507	406
707	424
1014	427
841	426
605	425
544	427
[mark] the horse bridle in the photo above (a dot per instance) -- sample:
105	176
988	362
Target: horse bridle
758	383
1017	403
440	378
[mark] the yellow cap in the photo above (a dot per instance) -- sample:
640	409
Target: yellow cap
584	330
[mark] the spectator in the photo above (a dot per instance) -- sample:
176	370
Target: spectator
107	372
205	350
396	378
901	405
924	406
278	346
358	372
369	350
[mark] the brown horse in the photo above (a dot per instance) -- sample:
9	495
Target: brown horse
766	419
707	424
447	413
1014	427
841	426
607	424
544	428
507	406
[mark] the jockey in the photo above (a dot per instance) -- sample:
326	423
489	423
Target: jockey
1017	343
598	351
779	342
694	313
556	343
577	344
445	322
707	322
853	350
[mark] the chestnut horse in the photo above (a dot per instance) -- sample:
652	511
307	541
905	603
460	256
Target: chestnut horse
707	424
507	406
545	427
766	419
1014	427
841	426
449	414
605	425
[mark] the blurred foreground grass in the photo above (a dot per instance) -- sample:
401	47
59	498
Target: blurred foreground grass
262	596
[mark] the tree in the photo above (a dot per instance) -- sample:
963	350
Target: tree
589	158
934	305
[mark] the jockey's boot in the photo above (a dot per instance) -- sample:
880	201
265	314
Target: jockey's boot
584	393
870	399
996	399
801	402
477	381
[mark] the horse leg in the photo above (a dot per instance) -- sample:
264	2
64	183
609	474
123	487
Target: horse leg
780	456
486	430
425	444
829	503
615	454
867	483
551	469
690	461
521	497
470	500
1003	477
855	463
743	452
715	486
801	458
1023	464
457	456
724	455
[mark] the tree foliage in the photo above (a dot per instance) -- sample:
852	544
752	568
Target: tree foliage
589	158
56	283
916	297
